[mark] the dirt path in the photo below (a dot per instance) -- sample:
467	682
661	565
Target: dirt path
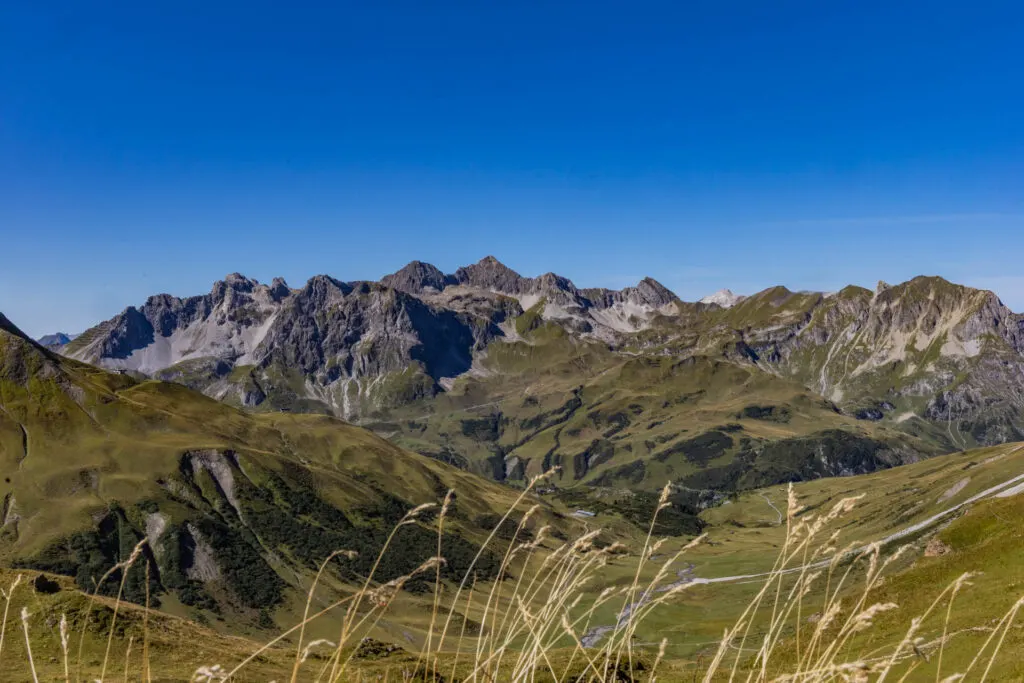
1011	486
1003	489
426	416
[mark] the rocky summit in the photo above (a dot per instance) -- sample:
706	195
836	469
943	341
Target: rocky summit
925	360
346	347
56	340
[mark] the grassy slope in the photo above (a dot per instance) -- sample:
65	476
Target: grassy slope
745	537
695	372
122	435
618	420
84	450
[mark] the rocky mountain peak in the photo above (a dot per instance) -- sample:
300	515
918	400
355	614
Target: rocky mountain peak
416	277
279	289
490	273
553	281
237	279
227	291
323	289
235	282
652	293
56	340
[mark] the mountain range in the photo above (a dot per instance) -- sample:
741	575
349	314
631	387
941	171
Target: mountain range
348	347
241	507
903	371
461	381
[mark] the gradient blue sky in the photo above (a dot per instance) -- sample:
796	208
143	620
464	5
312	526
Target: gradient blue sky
156	146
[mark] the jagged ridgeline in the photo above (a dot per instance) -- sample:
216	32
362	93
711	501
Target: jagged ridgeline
504	375
238	507
347	348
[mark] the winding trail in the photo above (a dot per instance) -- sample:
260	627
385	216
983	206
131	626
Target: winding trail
1011	486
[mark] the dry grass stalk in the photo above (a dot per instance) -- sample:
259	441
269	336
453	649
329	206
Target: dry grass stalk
550	605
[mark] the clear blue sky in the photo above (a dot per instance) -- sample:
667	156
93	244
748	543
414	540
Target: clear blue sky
156	146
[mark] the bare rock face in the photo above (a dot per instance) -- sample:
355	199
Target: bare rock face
936	547
343	347
202	559
648	292
416	277
490	273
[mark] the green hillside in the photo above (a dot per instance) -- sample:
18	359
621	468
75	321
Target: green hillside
239	509
620	421
954	514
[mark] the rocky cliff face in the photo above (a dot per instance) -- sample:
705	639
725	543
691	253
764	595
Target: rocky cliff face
925	353
922	349
416	277
345	347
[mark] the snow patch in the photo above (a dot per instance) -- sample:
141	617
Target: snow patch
724	298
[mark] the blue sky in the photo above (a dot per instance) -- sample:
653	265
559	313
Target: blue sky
152	147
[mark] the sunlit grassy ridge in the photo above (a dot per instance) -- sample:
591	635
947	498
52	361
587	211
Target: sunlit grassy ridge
633	422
